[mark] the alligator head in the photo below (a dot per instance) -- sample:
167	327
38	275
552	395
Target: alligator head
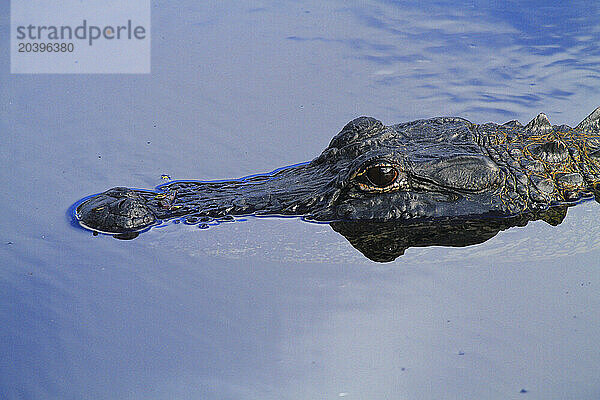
423	169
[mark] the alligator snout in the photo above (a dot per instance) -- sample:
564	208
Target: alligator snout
115	211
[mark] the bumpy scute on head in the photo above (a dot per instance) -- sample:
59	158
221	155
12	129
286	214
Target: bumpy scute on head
358	129
591	123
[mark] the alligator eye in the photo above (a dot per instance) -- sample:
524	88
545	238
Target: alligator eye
381	175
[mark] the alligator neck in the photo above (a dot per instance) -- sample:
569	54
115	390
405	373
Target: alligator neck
544	167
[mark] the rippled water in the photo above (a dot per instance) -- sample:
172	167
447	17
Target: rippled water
278	308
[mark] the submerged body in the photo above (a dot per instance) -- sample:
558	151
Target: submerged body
435	169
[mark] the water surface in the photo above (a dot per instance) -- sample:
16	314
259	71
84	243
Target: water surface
278	308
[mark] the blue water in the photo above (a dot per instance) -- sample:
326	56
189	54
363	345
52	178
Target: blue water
279	308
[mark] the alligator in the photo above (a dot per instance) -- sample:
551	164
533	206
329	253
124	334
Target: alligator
434	170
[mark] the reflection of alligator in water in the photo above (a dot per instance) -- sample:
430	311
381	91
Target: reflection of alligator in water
385	241
432	169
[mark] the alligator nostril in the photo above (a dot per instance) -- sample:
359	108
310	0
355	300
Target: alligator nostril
124	204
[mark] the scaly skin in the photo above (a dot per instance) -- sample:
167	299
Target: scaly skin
545	164
436	169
